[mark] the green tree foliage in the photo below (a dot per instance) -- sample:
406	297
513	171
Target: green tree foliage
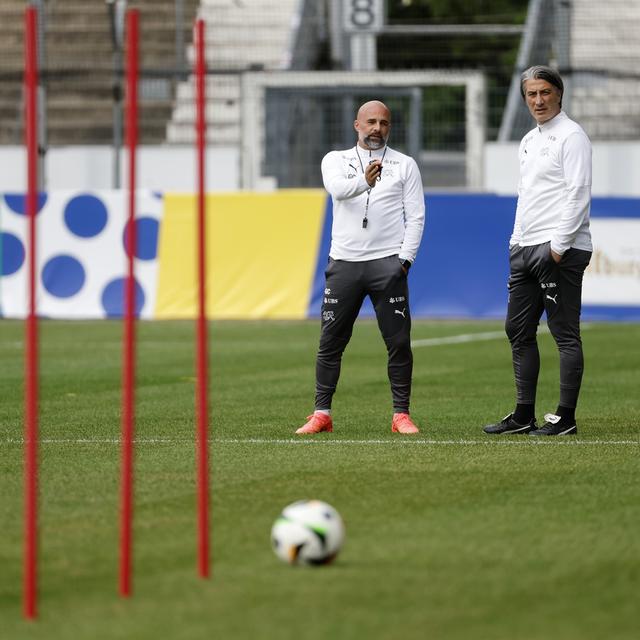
456	11
495	55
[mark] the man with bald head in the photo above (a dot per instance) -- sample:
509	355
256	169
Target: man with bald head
378	218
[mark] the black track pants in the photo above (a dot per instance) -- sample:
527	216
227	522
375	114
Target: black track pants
537	284
347	284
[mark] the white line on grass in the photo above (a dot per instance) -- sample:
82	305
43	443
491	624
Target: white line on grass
465	337
324	441
459	339
422	441
473	337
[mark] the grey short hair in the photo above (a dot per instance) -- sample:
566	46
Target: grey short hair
540	72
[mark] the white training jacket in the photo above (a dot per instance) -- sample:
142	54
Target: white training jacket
554	192
396	205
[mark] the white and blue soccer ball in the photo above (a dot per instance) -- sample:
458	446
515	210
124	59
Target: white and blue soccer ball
308	532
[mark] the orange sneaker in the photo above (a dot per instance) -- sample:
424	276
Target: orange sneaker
402	423
316	423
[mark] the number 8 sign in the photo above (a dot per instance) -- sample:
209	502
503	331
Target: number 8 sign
363	15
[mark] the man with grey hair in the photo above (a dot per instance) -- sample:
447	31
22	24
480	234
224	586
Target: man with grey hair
549	250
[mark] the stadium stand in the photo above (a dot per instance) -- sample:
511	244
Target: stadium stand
11	29
595	48
78	69
605	58
243	36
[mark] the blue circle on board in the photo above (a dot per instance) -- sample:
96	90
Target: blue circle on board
17	202
113	298
63	276
85	216
146	238
12	253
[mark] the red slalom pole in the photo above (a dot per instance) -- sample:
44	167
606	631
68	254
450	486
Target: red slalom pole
31	333
128	360
202	340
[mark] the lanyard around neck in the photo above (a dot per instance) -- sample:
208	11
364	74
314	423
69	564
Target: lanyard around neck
365	220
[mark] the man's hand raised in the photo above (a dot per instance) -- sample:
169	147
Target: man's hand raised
372	172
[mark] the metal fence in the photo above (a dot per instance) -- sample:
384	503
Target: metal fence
594	45
81	64
307	115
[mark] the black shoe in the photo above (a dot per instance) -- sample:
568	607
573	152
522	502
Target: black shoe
553	426
508	425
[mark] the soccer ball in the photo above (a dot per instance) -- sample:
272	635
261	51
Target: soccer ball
307	532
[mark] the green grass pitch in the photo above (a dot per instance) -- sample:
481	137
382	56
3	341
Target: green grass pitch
450	534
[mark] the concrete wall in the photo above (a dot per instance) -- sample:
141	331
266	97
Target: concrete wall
159	168
616	168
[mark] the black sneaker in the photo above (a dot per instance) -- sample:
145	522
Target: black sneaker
507	425
552	427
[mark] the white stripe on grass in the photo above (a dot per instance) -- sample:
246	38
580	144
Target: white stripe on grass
422	441
459	339
465	337
404	441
